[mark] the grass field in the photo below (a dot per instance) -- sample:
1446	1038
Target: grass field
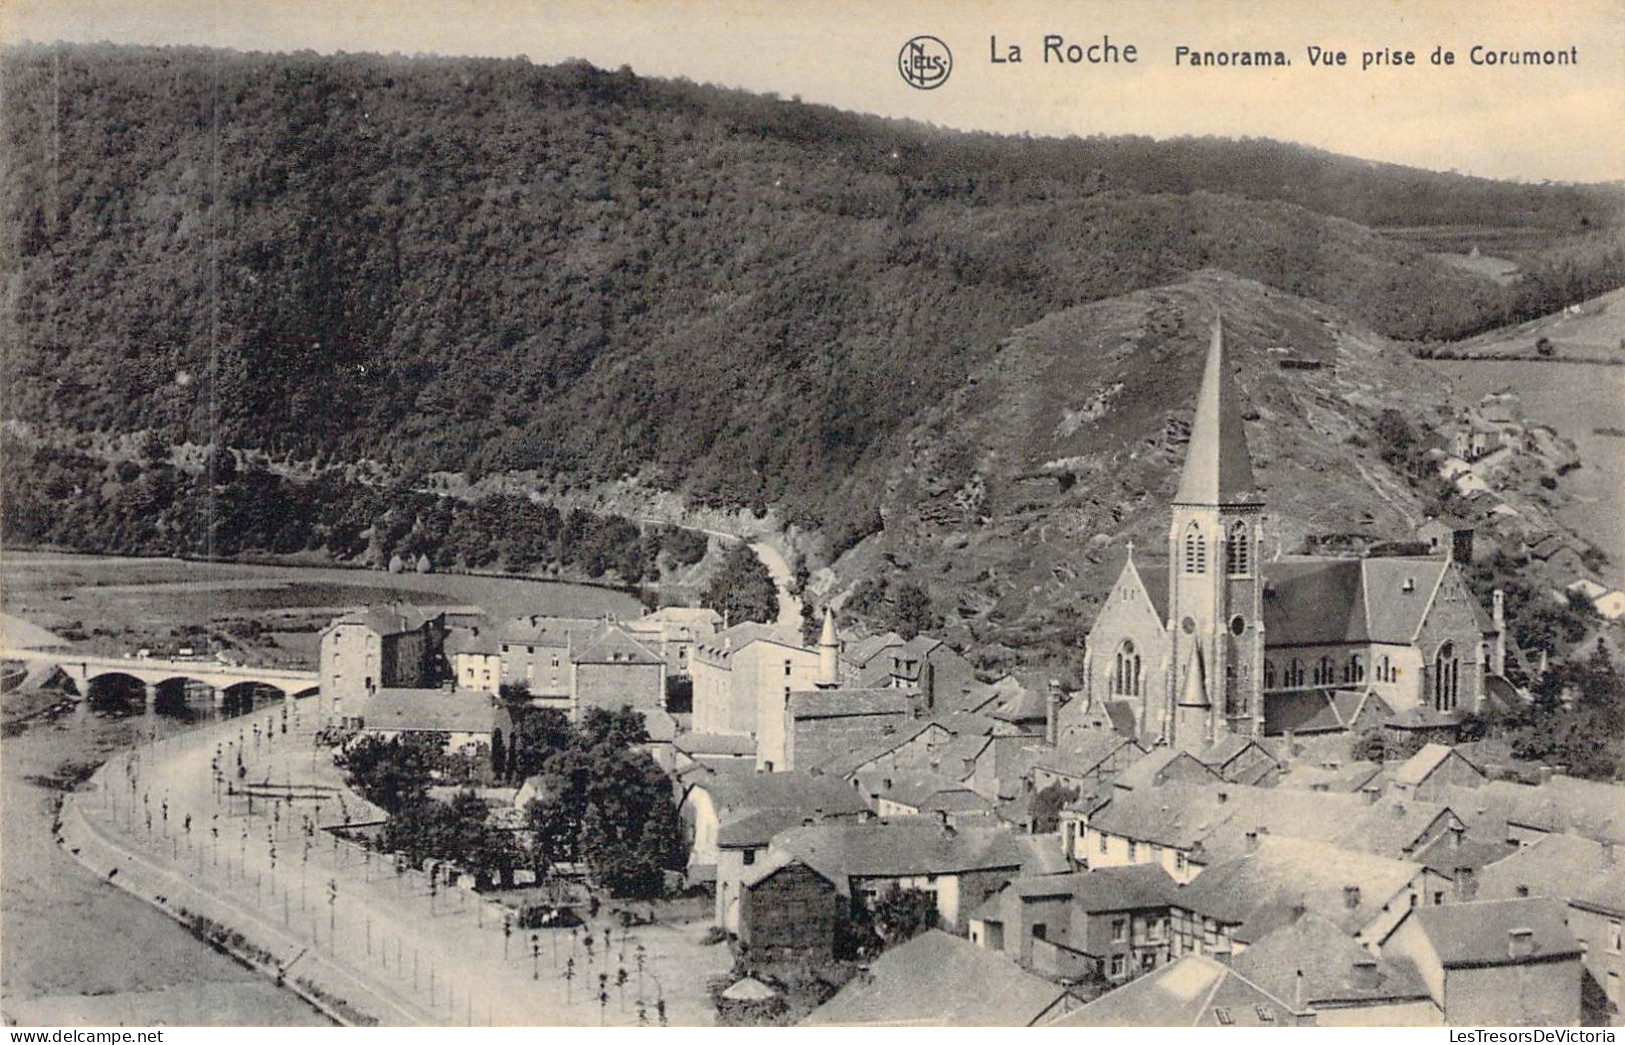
120	604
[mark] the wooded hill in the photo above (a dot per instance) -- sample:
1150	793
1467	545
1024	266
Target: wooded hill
483	265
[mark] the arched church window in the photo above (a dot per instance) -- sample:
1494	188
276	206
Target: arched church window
1126	671
1195	550
1294	674
1354	671
1325	673
1269	674
1238	551
1446	678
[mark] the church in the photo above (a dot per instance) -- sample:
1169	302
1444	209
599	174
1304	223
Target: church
1220	643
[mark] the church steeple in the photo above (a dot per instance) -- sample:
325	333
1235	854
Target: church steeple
829	653
1218	470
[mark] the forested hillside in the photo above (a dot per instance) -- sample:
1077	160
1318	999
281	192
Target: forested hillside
491	266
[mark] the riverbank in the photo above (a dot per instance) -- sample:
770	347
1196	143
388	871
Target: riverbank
80	952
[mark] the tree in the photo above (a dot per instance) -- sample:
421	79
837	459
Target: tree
902	914
911	611
1047	805
393	774
743	589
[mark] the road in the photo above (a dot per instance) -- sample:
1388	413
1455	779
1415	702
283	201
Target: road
778	567
428	955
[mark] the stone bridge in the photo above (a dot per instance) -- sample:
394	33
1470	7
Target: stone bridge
152	673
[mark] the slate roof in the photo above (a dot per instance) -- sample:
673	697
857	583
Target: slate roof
1556	866
1325	600
1142	773
1604	893
747	792
1025	704
1562	804
1326	956
716	744
1133	887
1265	889
755	830
940	980
861	652
917	787
685	615
1308	711
729	641
611	645
894	847
1217	467
842	703
1082	754
1194	991
463	640
1219	818
430	710
850	762
1475	934
389	620
1345	779
1420	766
1121	715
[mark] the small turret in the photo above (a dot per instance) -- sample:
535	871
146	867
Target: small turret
829	653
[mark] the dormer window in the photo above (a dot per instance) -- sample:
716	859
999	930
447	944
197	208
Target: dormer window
1409	585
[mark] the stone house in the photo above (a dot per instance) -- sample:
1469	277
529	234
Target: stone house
1494	963
1434	769
806	729
1192	991
788	912
468	718
393	647
1332	981
1111	924
736	669
675	632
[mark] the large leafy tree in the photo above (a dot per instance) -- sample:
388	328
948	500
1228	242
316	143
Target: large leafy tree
742	589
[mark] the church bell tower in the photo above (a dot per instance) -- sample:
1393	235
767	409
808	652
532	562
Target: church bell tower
1215	591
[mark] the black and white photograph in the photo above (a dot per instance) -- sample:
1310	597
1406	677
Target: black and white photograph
717	513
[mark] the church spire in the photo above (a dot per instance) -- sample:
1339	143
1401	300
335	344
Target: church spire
829	653
1218	470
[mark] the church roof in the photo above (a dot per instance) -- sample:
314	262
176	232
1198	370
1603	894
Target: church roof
1217	467
1318	601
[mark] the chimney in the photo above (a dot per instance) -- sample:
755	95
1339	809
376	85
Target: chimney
1399	810
1364	976
1466	884
1297	992
1052	713
1224	796
1371	795
1520	943
1252	841
1607	855
1351	896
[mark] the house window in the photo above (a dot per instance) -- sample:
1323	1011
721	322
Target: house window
1446	678
1103	841
787	668
1615	944
1117	965
1438	898
1040	931
1265	1014
1133	851
1179	860
1195	550
1126	671
1119	930
1222	1014
750	857
1237	551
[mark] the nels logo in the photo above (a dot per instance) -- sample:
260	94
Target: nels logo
925	63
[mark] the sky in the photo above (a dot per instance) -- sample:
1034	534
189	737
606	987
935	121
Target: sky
1561	123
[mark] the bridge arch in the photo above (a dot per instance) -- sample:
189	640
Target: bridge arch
116	692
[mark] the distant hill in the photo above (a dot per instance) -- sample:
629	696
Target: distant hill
490	266
1013	499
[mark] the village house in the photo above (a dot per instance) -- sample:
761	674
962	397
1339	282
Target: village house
1448	536
731	817
1233	904
1187	827
1432	771
809	728
1494	963
788	912
924	792
381	647
944	680
535	654
1242	760
722	751
737	668
938	980
1501	810
468	718
1111	924
1332	981
476	659
1587	877
920	745
674	632
610	669
1164	765
1192	991
1341	778
1221	641
960	868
